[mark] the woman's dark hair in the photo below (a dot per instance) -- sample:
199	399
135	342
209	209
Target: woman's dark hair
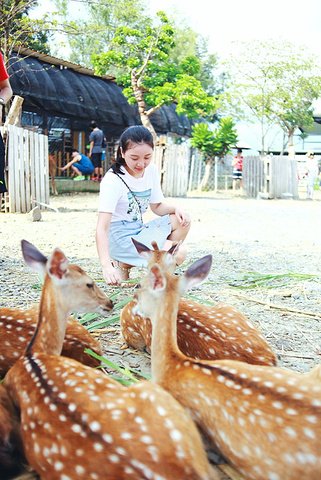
132	135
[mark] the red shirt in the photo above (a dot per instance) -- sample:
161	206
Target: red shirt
239	164
3	72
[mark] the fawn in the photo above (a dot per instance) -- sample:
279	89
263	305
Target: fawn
265	421
17	328
207	332
77	423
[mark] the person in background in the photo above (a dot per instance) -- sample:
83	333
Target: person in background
237	164
5	95
80	164
128	188
96	140
312	173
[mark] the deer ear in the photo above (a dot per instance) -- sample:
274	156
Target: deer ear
142	250
57	264
157	280
174	248
33	257
197	273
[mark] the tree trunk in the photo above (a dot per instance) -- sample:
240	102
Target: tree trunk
205	183
142	106
291	150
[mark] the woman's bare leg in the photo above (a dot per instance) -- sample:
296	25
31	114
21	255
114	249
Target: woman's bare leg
177	234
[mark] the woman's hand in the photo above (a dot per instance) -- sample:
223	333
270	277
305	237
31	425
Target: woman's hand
111	275
183	217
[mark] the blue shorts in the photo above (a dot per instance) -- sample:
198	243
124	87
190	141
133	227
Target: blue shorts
84	170
121	247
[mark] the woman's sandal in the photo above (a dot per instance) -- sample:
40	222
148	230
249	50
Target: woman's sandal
124	274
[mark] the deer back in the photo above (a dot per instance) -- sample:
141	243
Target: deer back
207	332
78	423
18	326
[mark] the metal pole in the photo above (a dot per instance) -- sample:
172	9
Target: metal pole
191	174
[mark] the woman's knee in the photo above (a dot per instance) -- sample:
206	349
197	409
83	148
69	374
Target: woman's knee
178	231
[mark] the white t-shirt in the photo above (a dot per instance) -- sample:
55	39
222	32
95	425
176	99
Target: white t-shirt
115	198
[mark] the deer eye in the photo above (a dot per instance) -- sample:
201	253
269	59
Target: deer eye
90	285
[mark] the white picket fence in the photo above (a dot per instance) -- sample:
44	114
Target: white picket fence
27	169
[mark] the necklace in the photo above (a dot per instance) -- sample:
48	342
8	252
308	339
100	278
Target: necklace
134	196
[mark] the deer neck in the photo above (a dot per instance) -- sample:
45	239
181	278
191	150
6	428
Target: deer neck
164	336
53	314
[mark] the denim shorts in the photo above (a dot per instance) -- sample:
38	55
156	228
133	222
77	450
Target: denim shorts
121	247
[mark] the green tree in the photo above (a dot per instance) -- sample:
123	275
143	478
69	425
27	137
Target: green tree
98	28
188	43
18	29
275	83
150	80
213	145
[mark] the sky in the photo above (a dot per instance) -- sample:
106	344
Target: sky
225	21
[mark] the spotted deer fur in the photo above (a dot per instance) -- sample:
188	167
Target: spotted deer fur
265	421
78	423
17	327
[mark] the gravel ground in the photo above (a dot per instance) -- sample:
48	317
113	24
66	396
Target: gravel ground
246	237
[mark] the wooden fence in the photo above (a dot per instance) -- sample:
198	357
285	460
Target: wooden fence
272	176
173	164
181	169
27	172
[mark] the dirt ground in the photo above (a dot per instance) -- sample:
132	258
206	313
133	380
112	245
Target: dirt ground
246	237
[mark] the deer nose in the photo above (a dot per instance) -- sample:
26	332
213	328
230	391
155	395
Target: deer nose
109	305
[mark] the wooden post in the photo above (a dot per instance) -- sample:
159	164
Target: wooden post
14	115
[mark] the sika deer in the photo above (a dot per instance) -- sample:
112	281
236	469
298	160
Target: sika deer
17	328
265	421
207	332
77	423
